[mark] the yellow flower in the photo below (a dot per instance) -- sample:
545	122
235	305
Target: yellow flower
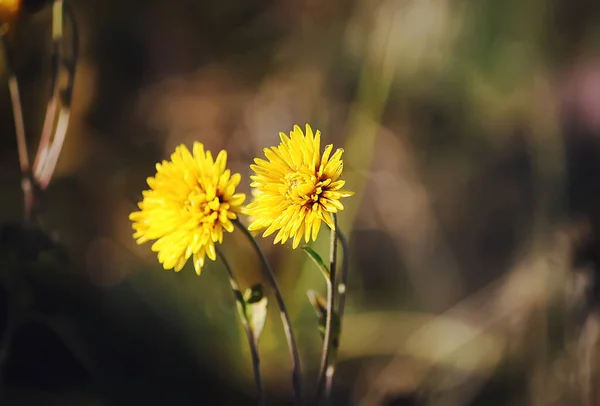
297	188
191	200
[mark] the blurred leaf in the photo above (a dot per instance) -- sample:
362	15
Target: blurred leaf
319	303
312	254
254	294
240	302
256	309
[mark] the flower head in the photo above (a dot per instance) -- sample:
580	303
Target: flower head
191	200
297	188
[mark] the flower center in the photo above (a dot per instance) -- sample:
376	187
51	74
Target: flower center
301	188
207	204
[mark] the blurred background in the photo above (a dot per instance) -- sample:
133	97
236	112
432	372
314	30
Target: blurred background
471	132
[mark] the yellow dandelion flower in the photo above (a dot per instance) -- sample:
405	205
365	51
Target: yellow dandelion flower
191	201
297	187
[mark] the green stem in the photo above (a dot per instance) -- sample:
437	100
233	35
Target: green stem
341	287
341	292
252	341
325	369
285	318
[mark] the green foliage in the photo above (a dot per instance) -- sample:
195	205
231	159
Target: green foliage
319	304
316	258
255	309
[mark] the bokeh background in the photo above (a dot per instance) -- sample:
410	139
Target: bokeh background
471	135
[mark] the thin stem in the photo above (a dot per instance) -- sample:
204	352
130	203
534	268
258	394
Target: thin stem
44	145
252	340
324	369
341	286
53	152
52	107
15	98
285	318
49	151
326	337
341	292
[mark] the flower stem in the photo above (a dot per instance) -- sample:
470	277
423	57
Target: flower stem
7	337
326	369
49	151
15	98
340	289
285	318
252	340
